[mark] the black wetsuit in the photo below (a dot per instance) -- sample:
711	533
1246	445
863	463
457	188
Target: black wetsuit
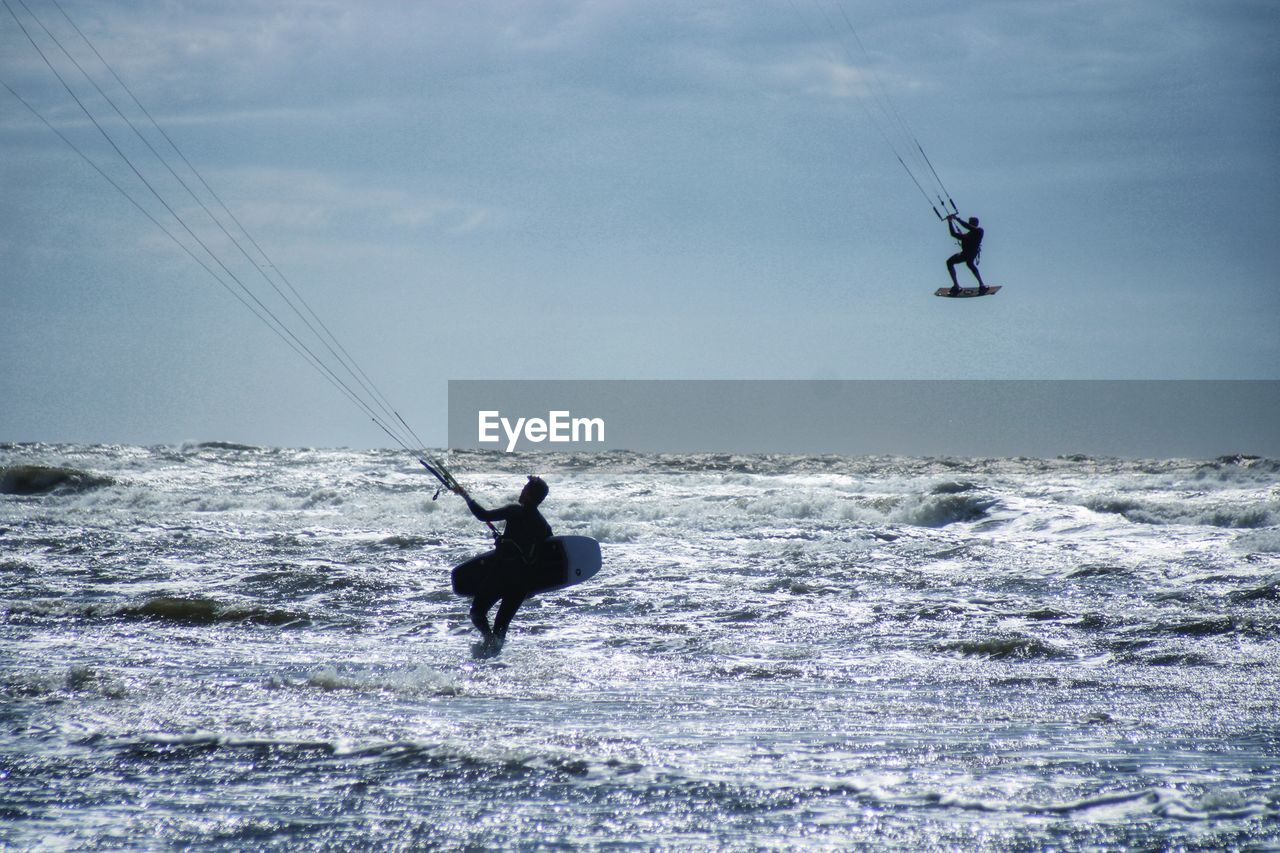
501	574
970	245
970	249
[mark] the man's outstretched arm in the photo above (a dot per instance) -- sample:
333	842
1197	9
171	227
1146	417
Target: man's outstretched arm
502	513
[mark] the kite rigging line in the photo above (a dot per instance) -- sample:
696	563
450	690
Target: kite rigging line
312	340
880	108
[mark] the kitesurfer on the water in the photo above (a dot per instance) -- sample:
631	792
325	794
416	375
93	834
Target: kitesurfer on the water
970	248
502	574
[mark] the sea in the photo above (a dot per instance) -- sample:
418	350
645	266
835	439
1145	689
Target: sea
236	647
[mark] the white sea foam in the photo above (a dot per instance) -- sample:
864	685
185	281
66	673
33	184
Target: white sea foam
421	679
261	645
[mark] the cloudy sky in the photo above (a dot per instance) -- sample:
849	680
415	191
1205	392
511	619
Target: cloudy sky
631	189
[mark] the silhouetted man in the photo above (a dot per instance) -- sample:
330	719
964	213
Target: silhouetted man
970	248
502	574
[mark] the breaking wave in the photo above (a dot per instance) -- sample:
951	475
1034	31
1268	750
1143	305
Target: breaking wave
203	611
421	679
220	445
1161	513
42	480
61	682
1004	648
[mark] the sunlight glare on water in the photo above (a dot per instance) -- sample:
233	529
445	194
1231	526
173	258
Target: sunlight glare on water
216	644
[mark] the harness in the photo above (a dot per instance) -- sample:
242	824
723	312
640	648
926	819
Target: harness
976	254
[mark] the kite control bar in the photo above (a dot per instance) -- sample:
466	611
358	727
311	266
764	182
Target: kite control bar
447	481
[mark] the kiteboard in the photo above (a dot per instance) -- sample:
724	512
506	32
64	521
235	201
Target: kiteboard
966	291
561	561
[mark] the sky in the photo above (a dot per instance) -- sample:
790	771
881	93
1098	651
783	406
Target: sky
580	189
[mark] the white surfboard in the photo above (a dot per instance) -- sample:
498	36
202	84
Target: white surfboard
559	562
581	561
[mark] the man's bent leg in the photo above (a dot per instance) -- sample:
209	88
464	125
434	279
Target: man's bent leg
506	612
973	268
480	612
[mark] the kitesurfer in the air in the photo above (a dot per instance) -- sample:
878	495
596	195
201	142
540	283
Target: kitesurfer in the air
970	249
502	575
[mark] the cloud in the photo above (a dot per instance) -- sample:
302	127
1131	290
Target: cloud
296	200
692	158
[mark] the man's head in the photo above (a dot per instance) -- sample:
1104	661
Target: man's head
534	491
973	222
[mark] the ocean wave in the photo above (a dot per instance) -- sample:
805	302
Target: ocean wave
405	542
953	487
184	744
1268	590
42	479
1238	470
421	679
1163	513
1205	625
717	512
918	510
1174	659
1146	800
1259	542
323	498
202	611
219	445
755	672
605	532
443	759
721	462
1100	570
1126	805
57	682
947	508
1018	647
